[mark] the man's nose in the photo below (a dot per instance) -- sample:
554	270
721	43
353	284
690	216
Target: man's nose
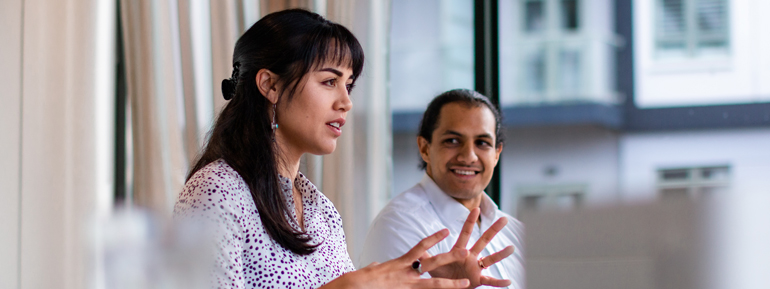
467	154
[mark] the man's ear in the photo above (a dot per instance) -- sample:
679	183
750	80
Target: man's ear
498	150
424	146
267	83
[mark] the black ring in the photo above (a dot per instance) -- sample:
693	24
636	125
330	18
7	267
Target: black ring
417	266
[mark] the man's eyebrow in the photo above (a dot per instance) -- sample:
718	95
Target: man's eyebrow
332	70
484	135
452	132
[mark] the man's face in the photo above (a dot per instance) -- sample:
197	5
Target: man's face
461	155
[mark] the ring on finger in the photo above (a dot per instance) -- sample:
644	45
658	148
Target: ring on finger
481	263
417	266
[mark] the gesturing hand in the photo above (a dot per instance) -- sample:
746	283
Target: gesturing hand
398	273
470	267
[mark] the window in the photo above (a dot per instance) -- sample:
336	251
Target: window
691	27
548	54
550	197
431	50
692	182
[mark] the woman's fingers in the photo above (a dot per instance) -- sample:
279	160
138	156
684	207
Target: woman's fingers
424	245
488	235
496	257
455	255
442	283
465	234
489	281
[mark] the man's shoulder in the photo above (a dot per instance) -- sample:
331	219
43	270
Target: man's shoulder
410	205
409	200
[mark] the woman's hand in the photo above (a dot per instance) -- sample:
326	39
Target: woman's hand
470	266
398	273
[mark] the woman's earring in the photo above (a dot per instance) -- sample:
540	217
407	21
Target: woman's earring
274	125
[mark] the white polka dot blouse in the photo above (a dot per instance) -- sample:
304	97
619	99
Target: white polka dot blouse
246	257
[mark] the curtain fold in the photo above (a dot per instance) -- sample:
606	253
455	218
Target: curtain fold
356	177
155	88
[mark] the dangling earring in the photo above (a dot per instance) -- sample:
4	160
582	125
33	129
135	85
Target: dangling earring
274	125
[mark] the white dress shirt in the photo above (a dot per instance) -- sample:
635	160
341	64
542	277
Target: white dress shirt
425	209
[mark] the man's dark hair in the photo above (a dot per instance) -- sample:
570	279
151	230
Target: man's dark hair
464	96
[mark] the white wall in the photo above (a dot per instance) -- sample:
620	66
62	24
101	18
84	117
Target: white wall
741	76
744	150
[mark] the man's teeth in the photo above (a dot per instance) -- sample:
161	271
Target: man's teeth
335	124
463	172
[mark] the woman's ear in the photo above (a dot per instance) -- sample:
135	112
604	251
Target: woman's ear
267	83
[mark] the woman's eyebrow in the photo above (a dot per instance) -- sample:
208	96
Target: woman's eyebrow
332	70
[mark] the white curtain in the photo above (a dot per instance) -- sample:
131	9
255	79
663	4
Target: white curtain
57	62
356	177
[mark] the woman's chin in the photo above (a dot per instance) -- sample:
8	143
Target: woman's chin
325	149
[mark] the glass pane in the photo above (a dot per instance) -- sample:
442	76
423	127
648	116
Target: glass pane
672	18
534	76
534	16
716	173
711	16
569	73
431	51
671	25
569	12
712	24
675	175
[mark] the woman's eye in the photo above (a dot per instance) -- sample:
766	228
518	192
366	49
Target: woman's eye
350	87
330	82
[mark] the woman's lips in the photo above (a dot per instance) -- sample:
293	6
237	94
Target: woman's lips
336	126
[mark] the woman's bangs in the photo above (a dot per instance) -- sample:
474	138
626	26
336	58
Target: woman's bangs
340	49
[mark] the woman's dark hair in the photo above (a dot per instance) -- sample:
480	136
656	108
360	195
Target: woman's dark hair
464	96
289	43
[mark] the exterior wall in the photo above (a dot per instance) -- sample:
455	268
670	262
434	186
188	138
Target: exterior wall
580	155
740	76
744	150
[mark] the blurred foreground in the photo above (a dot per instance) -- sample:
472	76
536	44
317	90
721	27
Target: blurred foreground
715	243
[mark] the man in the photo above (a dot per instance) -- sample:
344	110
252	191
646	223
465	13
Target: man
460	144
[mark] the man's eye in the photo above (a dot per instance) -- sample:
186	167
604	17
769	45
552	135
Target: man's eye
451	141
483	143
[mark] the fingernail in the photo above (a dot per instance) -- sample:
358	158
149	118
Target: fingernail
465	283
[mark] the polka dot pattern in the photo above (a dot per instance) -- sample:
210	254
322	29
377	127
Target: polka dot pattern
246	256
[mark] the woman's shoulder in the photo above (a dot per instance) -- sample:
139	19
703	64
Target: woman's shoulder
215	186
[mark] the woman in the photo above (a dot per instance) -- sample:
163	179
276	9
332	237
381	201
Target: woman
292	75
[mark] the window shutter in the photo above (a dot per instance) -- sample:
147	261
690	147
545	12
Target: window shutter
712	23
671	24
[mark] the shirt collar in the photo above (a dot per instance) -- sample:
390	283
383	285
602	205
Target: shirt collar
453	212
